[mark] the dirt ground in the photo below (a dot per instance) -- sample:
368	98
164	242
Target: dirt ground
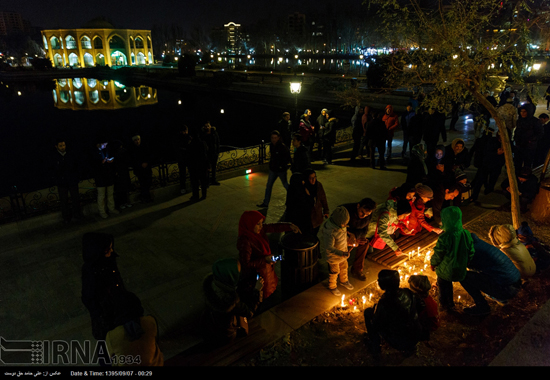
461	340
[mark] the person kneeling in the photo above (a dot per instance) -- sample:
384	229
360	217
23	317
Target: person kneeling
395	316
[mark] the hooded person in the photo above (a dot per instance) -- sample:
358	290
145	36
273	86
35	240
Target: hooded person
320	210
136	336
334	243
456	156
429	317
227	313
255	254
452	252
384	223
504	237
417	171
391	120
299	203
101	281
416	220
436	165
357	132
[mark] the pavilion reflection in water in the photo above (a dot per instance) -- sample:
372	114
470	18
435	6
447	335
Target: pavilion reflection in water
94	94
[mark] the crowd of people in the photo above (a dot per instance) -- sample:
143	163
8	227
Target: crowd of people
436	187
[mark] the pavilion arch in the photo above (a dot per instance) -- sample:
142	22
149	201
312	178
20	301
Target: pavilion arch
85	42
141	58
118	58
131	42
88	60
133	58
98	43
70	42
139	42
116	42
57	60
100	59
55	43
149	42
79	97
73	60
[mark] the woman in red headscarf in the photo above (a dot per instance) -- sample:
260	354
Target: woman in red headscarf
254	251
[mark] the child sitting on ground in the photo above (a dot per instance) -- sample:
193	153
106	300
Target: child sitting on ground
429	317
334	242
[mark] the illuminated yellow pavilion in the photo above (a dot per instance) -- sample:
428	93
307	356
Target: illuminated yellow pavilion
98	43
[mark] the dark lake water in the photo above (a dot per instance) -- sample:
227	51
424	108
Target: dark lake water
34	114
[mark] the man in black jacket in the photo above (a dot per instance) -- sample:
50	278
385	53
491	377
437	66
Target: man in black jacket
104	176
360	215
278	166
65	173
301	158
141	164
211	138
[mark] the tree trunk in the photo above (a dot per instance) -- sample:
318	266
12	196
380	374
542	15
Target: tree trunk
507	145
540	209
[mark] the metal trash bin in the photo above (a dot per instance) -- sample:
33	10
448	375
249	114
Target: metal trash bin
299	267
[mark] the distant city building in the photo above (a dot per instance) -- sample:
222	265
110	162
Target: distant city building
10	21
297	24
98	43
233	33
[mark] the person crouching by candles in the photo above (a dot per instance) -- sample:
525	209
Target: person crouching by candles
383	224
394	317
334	242
227	313
452	252
429	317
416	220
255	253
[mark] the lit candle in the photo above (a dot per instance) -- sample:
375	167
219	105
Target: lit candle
364	300
370	296
343	297
354	308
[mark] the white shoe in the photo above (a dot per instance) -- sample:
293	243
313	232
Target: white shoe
336	292
347	285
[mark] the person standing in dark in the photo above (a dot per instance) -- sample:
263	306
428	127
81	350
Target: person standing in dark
456	157
65	173
285	128
436	165
141	163
543	145
329	137
489	160
211	138
405	123
528	132
321	121
357	132
181	147
299	204
121	163
394	317
547	97
417	170
306	131
431	130
199	165
391	121
278	166
316	190
300	162
104	176
360	216
455	107
368	116
527	188
376	130
101	281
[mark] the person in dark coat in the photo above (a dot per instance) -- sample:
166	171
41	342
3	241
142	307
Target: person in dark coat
456	157
436	165
225	307
65	174
306	130
321	122
320	210
360	217
443	194
543	145
527	186
210	136
141	163
299	204
104	176
368	116
489	160
300	162
455	107
490	272
328	134
101	281
405	126
121	162
376	132
528	132
415	127
181	147
431	130
417	170
278	166
199	165
394	317
357	132
284	126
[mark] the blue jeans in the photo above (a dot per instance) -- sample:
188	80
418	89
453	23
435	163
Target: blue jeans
477	283
271	180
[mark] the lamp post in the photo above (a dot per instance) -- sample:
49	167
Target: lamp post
295	88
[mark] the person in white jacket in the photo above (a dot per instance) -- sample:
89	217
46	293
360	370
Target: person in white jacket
334	242
504	237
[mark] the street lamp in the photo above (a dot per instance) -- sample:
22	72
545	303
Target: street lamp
295	88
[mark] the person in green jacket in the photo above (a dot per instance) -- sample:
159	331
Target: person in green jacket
452	252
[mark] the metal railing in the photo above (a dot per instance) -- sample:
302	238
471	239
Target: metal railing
17	205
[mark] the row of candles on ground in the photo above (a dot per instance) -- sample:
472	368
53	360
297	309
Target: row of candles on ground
353	302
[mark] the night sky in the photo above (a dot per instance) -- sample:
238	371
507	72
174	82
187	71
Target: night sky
141	14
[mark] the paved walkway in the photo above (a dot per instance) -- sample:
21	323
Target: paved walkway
166	249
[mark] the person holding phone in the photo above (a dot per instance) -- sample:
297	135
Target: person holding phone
104	178
255	253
